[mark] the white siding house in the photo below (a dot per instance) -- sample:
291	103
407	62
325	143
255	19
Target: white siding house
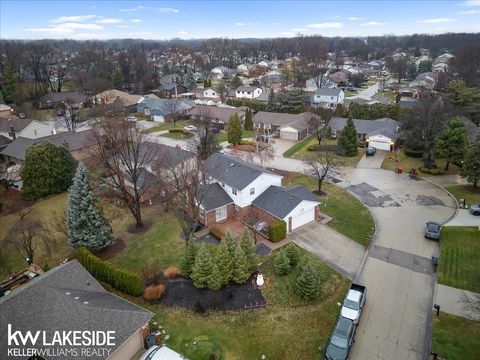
329	98
248	92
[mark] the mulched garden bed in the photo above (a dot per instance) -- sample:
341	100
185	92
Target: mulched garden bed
134	229
181	292
110	251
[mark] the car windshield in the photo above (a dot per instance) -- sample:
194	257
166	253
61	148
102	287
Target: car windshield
338	341
351	304
432	227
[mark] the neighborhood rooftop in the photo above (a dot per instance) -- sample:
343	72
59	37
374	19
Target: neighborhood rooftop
385	126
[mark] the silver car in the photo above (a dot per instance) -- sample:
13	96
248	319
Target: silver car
475	209
432	230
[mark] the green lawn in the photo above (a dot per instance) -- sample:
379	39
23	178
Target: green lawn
460	258
222	135
288	328
177	136
387	93
455	338
467	192
407	163
168	126
349	215
300	151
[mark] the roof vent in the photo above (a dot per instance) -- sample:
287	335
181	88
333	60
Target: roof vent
85	302
232	165
67	293
76	298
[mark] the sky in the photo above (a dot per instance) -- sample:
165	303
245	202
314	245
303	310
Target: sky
234	19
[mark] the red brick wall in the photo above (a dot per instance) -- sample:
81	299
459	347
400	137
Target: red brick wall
211	216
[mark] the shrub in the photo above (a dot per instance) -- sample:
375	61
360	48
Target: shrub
281	263
292	253
217	233
171	272
46	267
188	259
415	153
246	142
179	131
277	231
122	280
153	292
241	272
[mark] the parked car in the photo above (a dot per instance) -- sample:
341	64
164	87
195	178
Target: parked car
214	130
22	115
341	340
160	353
131	118
432	230
190	128
370	151
354	302
60	112
475	209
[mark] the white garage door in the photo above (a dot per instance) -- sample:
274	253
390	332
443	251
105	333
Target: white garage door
303	218
158	118
380	144
288	135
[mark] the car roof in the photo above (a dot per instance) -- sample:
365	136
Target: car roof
354	295
433	223
343	327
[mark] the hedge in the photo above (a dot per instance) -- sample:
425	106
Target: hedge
413	153
217	233
180	131
277	231
433	171
122	280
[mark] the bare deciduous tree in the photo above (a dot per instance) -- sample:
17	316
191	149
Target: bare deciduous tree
173	106
252	219
321	167
127	159
204	141
72	119
314	52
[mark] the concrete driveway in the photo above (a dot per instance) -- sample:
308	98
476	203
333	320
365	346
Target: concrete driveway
367	93
397	317
374	162
464	218
340	252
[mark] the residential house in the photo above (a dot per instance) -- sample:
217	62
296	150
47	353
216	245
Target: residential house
426	80
222	72
219	115
172	90
208	93
109	97
238	189
328	98
288	126
59	99
243	69
247	92
382	134
340	77
78	144
65	299
30	129
163	110
5	110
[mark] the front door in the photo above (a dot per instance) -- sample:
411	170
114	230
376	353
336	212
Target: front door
221	213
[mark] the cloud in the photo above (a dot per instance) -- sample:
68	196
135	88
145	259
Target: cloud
469	12
374	23
472	3
240	24
437	20
287	33
136	8
276	24
73	18
88	36
136	20
168	10
81	26
65	28
329	25
353	18
57	30
109	21
183	32
124	26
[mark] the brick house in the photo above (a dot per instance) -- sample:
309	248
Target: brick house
238	189
289	126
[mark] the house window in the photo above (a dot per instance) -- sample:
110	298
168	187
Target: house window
221	213
234	191
252	191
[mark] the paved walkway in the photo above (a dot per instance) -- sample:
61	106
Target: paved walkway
454	301
464	218
327	244
372	162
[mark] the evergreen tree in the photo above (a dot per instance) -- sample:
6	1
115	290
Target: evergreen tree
249	249
240	271
117	80
235	82
271	104
203	267
452	143
48	169
228	239
348	140
292	253
294	102
471	165
225	262
248	119
424	66
235	131
205	83
85	224
281	263
209	82
190	82
215	280
308	283
188	259
8	85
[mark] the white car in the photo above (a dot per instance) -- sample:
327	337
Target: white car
354	302
190	128
131	118
161	353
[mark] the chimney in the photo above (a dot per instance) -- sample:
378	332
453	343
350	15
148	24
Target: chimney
12	133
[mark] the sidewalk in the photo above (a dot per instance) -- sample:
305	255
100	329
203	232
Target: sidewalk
452	301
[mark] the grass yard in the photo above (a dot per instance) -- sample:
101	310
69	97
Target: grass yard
455	338
288	328
387	93
407	163
349	215
222	135
168	126
177	136
467	192
300	151
460	258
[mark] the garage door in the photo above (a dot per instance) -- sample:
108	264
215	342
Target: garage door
288	135
382	144
158	118
303	218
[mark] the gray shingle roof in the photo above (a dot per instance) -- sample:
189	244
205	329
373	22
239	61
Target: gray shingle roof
247	88
17	148
297	121
232	171
385	126
75	96
280	201
221	113
18	124
213	196
327	92
68	298
162	106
